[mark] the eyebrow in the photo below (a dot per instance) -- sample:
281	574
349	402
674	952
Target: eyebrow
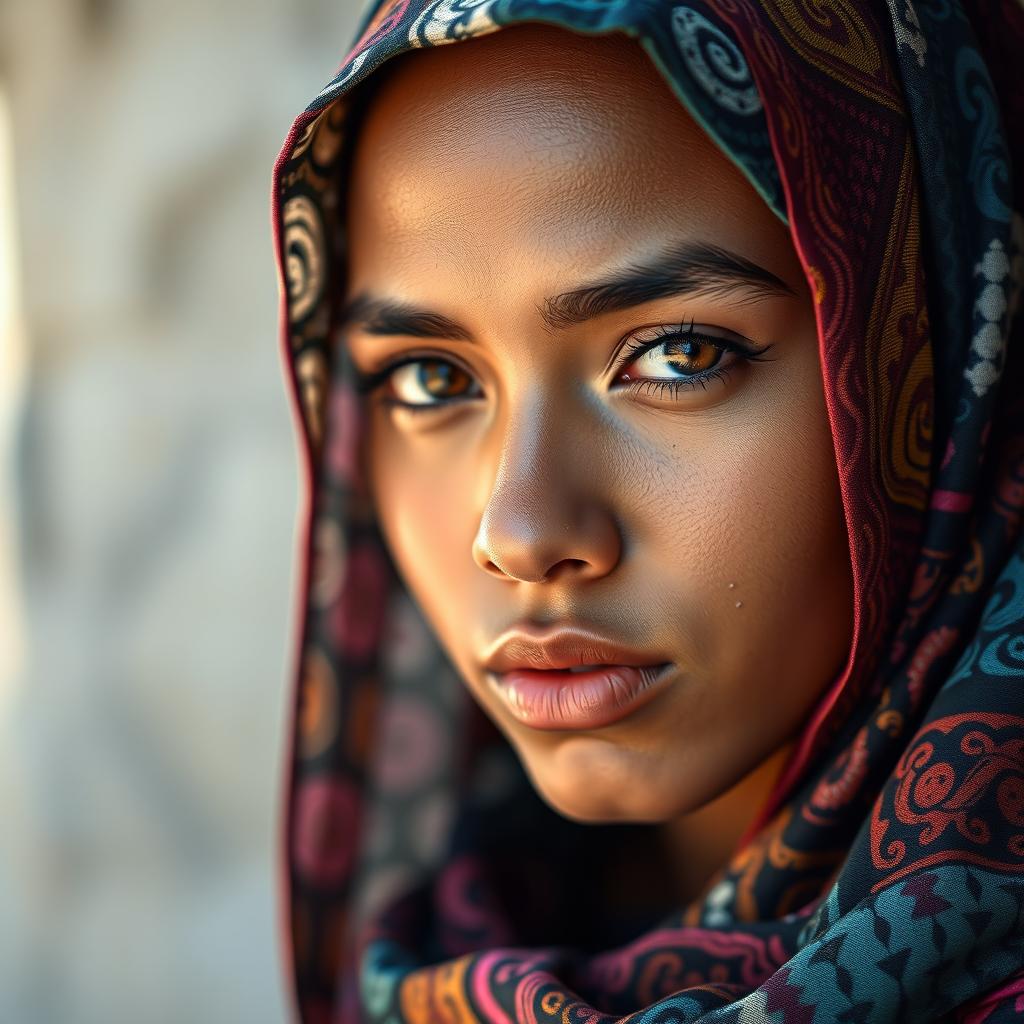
692	268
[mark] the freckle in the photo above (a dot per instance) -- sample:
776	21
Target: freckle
739	604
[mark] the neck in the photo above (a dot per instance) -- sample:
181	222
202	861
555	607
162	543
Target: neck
702	841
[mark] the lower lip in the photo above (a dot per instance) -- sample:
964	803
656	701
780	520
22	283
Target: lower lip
558	699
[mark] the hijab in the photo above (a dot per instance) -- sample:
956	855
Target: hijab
883	879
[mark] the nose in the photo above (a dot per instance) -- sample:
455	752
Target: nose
545	516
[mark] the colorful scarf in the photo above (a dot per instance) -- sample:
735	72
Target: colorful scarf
884	878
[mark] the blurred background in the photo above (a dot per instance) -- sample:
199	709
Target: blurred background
148	500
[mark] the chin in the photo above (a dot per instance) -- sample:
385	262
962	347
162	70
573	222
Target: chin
601	785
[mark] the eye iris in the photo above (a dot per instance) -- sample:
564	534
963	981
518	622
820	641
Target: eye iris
442	380
692	356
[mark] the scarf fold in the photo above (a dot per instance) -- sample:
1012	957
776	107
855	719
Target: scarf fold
883	880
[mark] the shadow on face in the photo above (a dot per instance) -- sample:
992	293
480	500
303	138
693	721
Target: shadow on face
594	402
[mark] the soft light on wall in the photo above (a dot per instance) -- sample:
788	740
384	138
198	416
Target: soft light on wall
12	380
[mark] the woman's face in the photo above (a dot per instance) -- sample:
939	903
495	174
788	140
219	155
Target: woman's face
604	418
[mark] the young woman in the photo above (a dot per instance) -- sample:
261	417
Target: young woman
663	647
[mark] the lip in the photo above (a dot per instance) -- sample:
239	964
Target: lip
529	671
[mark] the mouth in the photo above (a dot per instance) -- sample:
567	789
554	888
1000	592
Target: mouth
578	697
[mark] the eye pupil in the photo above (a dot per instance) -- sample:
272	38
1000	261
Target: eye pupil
442	379
698	355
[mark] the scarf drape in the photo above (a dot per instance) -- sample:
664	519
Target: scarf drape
883	880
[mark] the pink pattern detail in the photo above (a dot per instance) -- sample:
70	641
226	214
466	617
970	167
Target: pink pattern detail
411	738
454	885
952	501
758	958
979	1010
500	965
833	793
936	643
325	820
341	457
358	615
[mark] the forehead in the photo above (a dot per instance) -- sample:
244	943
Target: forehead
538	148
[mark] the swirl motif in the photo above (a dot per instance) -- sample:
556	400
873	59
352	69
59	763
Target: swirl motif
996	650
438	994
837	788
989	171
1006	606
327	139
325	815
346	76
972	573
837	39
715	61
937	790
321	138
1004	657
386	19
935	645
304	255
447	20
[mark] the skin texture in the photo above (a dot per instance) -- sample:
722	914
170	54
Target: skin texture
494	174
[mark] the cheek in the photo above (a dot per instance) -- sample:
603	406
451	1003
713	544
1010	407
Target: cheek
768	519
786	547
754	502
423	490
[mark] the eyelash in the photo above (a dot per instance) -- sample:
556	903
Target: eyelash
367	382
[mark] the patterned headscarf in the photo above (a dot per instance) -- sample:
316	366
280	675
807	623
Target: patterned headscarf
883	880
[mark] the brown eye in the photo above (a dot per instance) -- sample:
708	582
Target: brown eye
674	359
690	356
430	382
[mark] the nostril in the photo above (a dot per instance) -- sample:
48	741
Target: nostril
565	565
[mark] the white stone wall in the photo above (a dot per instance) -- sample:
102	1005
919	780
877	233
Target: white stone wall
141	738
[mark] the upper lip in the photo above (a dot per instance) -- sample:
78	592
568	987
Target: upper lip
560	649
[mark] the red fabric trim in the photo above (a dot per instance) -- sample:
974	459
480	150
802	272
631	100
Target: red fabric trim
304	517
952	501
802	751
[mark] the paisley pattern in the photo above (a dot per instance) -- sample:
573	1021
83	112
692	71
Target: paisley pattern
883	880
